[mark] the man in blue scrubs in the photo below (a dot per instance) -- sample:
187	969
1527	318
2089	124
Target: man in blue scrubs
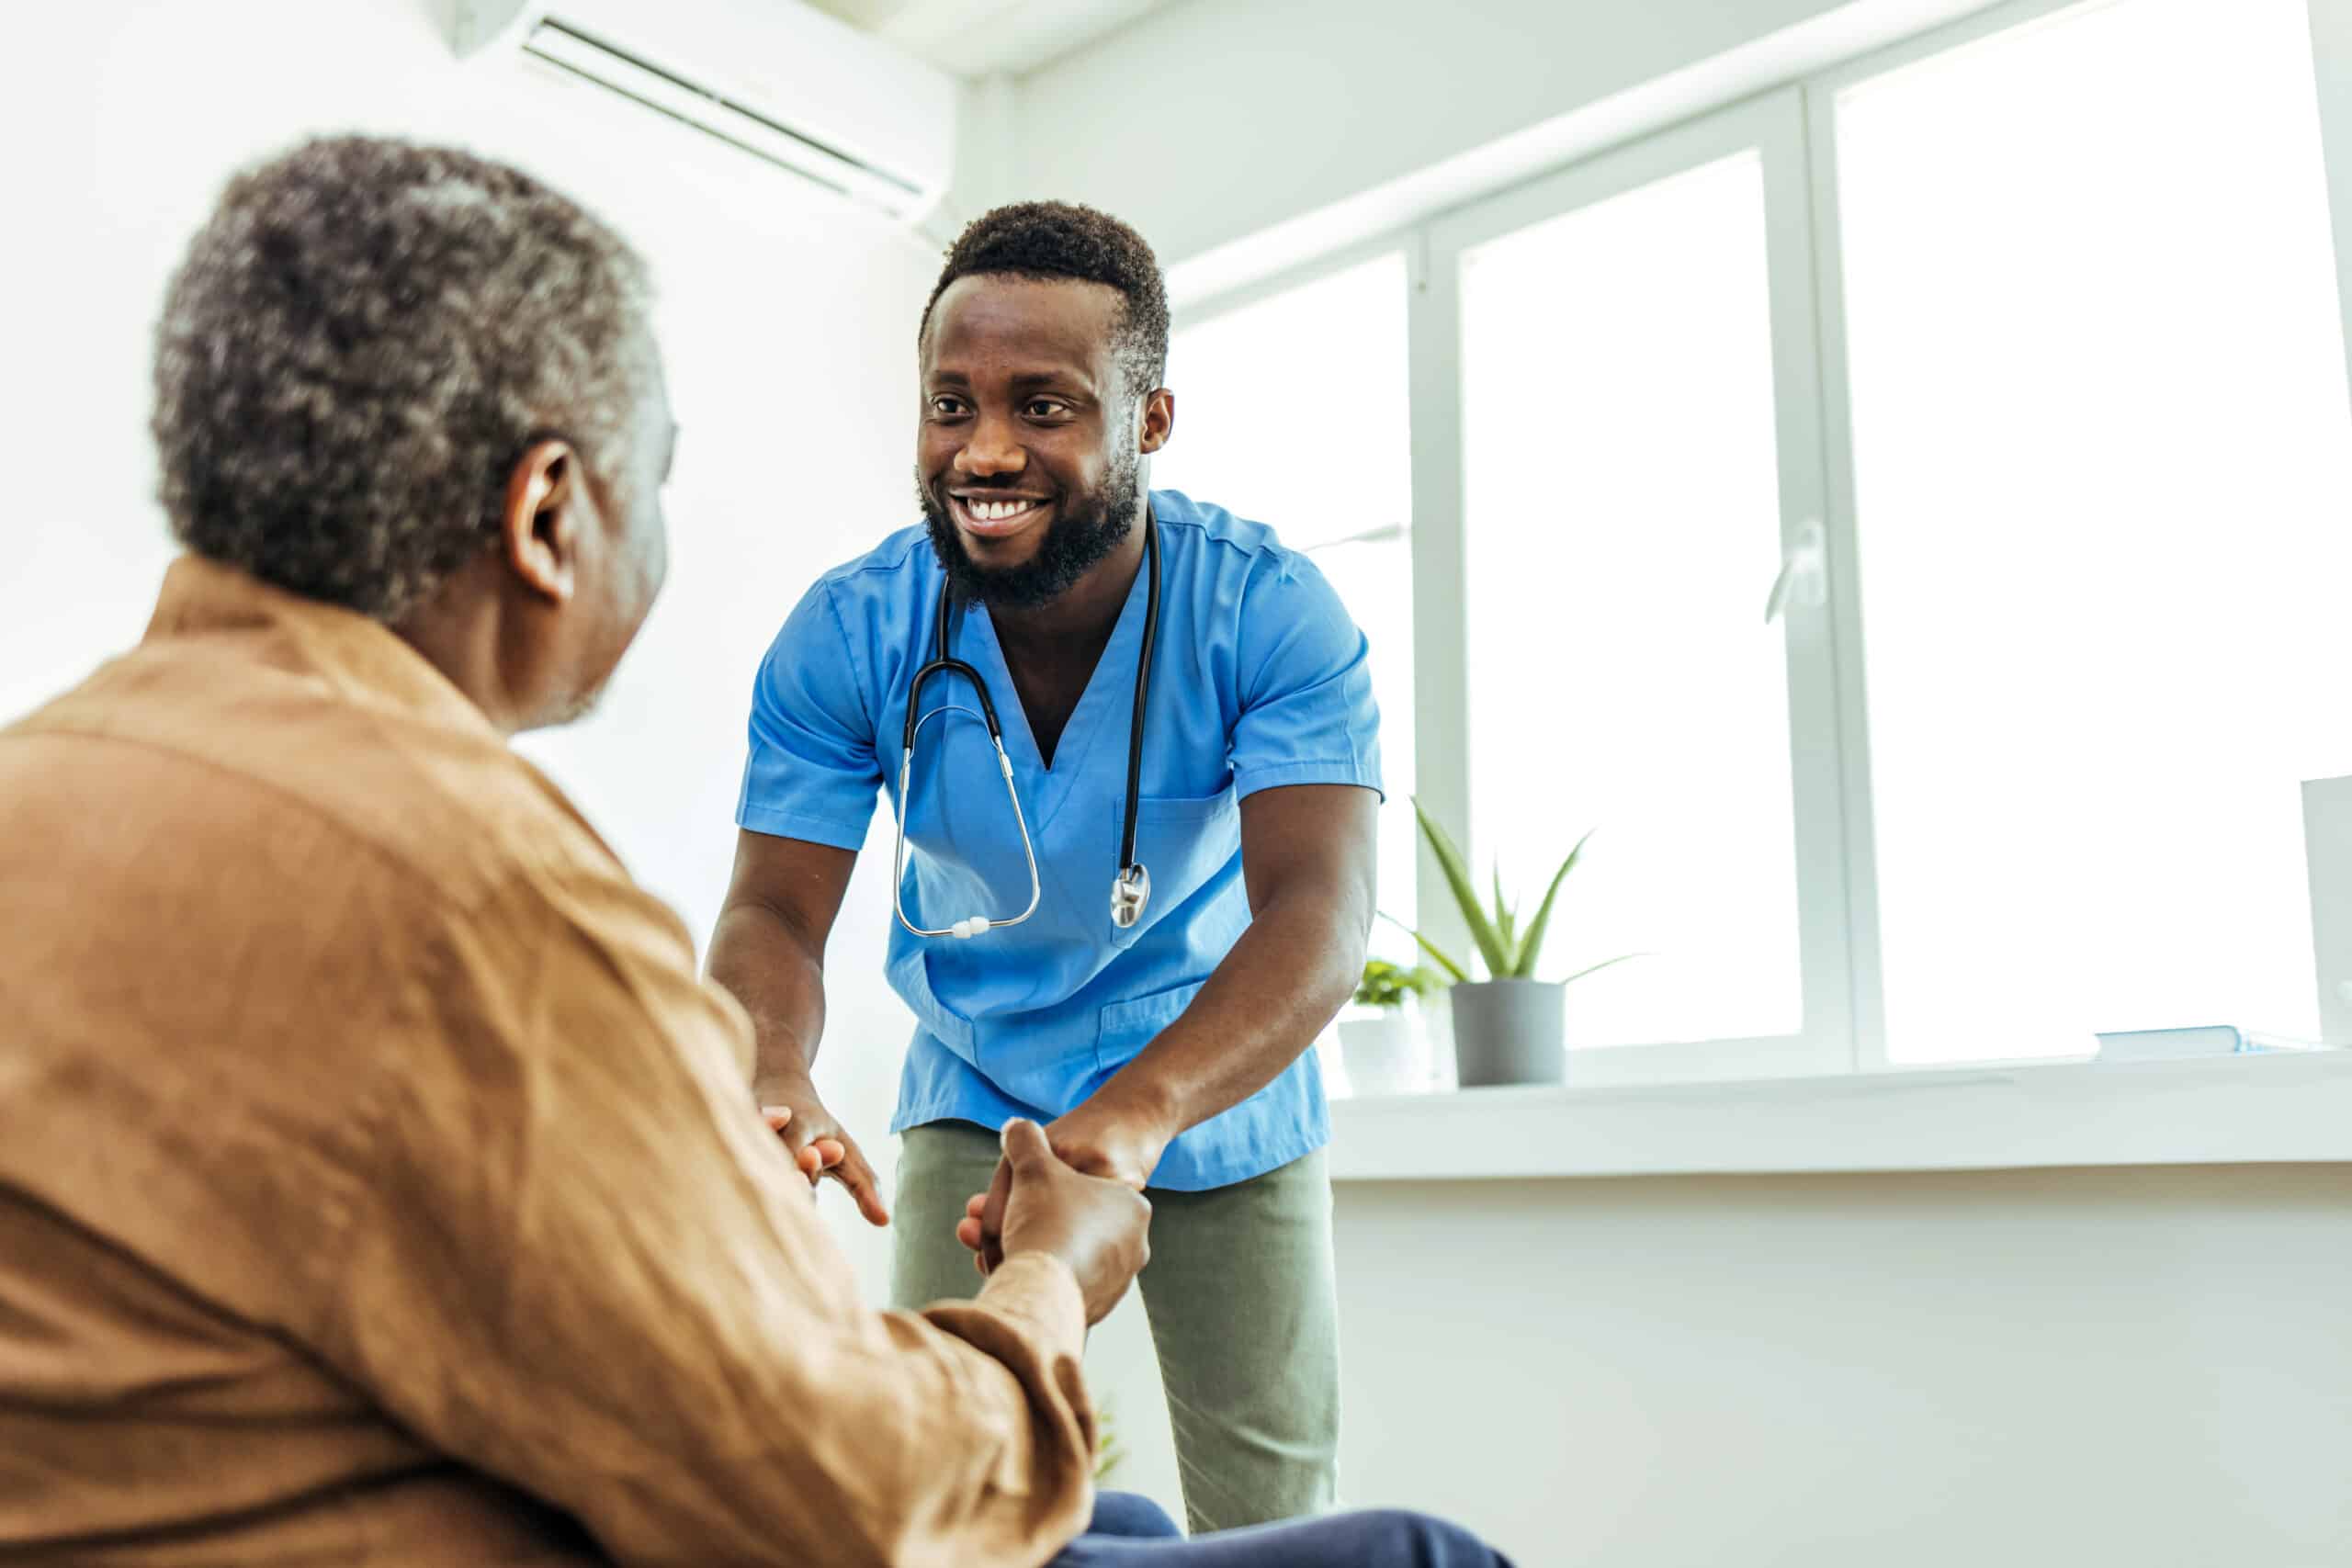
1172	1054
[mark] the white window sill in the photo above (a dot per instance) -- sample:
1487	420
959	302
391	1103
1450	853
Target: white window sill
2218	1110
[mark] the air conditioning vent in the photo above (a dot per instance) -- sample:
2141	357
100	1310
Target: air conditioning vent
781	83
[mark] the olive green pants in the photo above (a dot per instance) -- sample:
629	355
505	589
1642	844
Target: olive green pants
1243	1318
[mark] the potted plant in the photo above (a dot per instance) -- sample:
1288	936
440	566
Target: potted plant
1507	1029
1383	1052
1109	1453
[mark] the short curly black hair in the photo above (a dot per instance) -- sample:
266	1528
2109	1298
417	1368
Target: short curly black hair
363	339
1061	239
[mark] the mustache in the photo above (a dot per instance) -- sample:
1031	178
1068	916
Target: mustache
1086	526
1022	482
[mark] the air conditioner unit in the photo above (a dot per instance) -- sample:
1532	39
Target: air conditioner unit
774	80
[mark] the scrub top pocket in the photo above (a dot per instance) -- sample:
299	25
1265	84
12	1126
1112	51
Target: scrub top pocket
1182	841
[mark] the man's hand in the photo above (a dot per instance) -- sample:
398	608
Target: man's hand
817	1143
1100	1227
1102	1139
1096	1139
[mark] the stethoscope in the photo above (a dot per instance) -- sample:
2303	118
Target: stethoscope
1131	887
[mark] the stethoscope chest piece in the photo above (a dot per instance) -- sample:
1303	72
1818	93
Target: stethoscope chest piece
1131	889
1130	893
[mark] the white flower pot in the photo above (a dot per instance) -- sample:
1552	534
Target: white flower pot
1385	1053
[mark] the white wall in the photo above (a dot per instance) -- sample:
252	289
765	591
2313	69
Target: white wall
788	330
1212	119
2035	1369
2117	1368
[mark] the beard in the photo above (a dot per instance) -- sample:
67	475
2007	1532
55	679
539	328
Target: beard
583	706
1085	528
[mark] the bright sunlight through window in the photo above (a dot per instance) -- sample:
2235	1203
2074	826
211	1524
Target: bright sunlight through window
1622	530
1292	412
2104	479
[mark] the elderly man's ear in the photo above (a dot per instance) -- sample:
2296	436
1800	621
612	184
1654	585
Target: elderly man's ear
547	501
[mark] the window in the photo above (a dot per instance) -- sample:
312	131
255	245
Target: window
2010	364
2104	509
1620	521
1292	412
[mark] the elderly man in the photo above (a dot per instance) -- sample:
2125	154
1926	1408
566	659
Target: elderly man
378	1182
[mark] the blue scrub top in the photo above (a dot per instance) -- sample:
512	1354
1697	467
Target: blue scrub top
1259	679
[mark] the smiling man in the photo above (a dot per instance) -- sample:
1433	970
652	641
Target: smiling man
1133	921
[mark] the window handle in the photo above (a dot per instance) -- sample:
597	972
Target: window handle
1805	573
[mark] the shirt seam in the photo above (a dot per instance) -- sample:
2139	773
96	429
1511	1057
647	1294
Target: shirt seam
849	655
1272	547
753	816
1225	1168
1336	771
1231	1172
871	560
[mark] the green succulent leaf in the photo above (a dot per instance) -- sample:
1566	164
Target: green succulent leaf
1456	971
1506	923
1458	878
1533	948
1594	968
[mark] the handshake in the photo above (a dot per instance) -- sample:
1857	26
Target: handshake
1084	1205
1097	1226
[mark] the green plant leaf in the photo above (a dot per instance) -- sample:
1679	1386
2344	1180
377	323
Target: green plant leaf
1448	965
1387	985
1506	924
1533	948
1109	1453
1593	968
1458	878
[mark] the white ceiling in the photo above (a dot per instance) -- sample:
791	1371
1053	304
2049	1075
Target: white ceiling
978	38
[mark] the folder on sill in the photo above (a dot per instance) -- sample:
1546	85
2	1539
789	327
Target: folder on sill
2179	1044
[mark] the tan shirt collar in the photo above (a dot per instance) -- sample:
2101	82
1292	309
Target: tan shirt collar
359	657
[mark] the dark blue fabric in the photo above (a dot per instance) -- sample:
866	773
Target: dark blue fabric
1131	1515
1133	1533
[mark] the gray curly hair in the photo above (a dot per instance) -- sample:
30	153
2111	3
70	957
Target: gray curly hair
364	338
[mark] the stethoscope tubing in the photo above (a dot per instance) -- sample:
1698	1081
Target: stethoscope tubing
1130	874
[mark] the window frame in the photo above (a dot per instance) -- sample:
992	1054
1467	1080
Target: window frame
1771	127
1793	128
2332	55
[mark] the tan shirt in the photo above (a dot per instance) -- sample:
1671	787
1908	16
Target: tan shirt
379	1185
